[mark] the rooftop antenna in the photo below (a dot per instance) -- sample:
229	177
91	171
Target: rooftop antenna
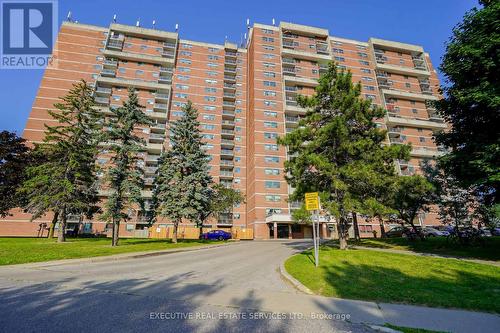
154	23
114	18
225	38
69	16
176	27
138	23
248	23
274	22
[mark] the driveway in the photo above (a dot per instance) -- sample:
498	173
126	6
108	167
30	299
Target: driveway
234	288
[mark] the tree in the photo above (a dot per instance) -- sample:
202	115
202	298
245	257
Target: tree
14	158
222	201
337	149
182	185
411	195
124	176
66	182
471	102
302	215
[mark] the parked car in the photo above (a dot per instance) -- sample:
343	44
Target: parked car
433	232
400	231
395	232
216	235
496	231
484	232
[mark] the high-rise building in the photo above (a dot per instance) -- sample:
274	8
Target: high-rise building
245	96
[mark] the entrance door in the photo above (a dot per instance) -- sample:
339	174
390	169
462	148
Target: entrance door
282	230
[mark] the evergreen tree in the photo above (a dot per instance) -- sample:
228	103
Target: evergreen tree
471	102
65	183
124	177
183	183
14	158
338	148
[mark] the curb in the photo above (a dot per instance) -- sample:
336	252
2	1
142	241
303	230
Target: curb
295	283
115	257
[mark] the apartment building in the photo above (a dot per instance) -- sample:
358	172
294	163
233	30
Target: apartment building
246	98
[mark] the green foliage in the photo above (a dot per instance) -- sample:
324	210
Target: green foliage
302	215
124	177
14	158
65	181
182	185
410	196
471	101
338	148
223	200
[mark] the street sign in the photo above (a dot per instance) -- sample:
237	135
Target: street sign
312	201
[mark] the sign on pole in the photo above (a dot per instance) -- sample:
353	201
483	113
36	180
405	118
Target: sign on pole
312	204
312	201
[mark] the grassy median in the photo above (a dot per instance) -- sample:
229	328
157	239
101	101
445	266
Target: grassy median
439	245
399	278
25	250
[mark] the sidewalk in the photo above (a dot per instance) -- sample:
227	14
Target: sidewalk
423	254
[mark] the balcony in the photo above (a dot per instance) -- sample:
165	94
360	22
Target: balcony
160	106
103	91
394	131
152	158
227	124
228	105
102	100
169	45
228	114
229	70
227	143
122	82
226	163
230	62
227	152
162	80
139	57
161	96
226	174
302	81
290	61
322	48
289	71
229	86
229	96
166	70
227	133
293	53
157	115
406	95
231	78
110	63
231	54
154	147
425	152
292	121
108	72
150	170
168	54
397	141
159	126
115	44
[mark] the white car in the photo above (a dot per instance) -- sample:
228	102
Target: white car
432	232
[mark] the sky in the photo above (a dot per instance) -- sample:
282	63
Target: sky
425	22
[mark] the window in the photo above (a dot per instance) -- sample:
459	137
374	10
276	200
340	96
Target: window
272	184
338	51
182	86
267	31
212	65
181	95
361	47
269	84
269	65
362	55
268	135
268	39
370	88
213	50
269	93
272	159
139	72
209	98
364	62
342	59
271	147
366	78
268	47
209	117
270	114
184	69
268	56
178	113
368	96
412	102
210	81
407	85
415	111
210	90
211	73
185	61
270	124
270	103
208	127
213	57
179	104
273	172
422	139
366	70
271	211
186	53
209	108
273	198
186	46
208	136
269	74
183	77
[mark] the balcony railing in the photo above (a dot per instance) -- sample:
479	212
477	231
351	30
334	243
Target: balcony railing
108	72
102	100
103	90
169	45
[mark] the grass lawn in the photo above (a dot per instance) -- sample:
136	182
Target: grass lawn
399	278
439	245
24	250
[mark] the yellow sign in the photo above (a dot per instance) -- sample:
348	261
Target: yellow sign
312	201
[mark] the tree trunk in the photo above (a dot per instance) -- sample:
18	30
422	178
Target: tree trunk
53	225
201	231
382	228
116	232
356	227
61	236
343	233
174	235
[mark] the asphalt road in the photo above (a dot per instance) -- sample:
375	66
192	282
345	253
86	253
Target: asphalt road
235	288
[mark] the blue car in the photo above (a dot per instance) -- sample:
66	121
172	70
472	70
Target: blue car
216	235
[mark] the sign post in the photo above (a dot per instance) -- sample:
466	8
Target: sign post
312	205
